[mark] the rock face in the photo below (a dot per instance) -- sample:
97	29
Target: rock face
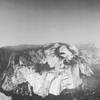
43	70
4	97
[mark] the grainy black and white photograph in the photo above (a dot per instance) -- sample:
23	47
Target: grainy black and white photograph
49	49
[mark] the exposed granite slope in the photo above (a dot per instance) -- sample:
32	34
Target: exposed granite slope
51	69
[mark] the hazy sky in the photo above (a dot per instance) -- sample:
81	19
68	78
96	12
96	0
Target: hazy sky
43	21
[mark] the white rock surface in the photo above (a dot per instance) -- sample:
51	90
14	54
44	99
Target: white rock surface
4	97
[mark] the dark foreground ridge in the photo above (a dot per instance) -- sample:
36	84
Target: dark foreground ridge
51	71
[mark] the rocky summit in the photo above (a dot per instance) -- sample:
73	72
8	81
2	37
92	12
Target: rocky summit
49	71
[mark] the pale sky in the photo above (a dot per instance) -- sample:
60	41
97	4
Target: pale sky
43	21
